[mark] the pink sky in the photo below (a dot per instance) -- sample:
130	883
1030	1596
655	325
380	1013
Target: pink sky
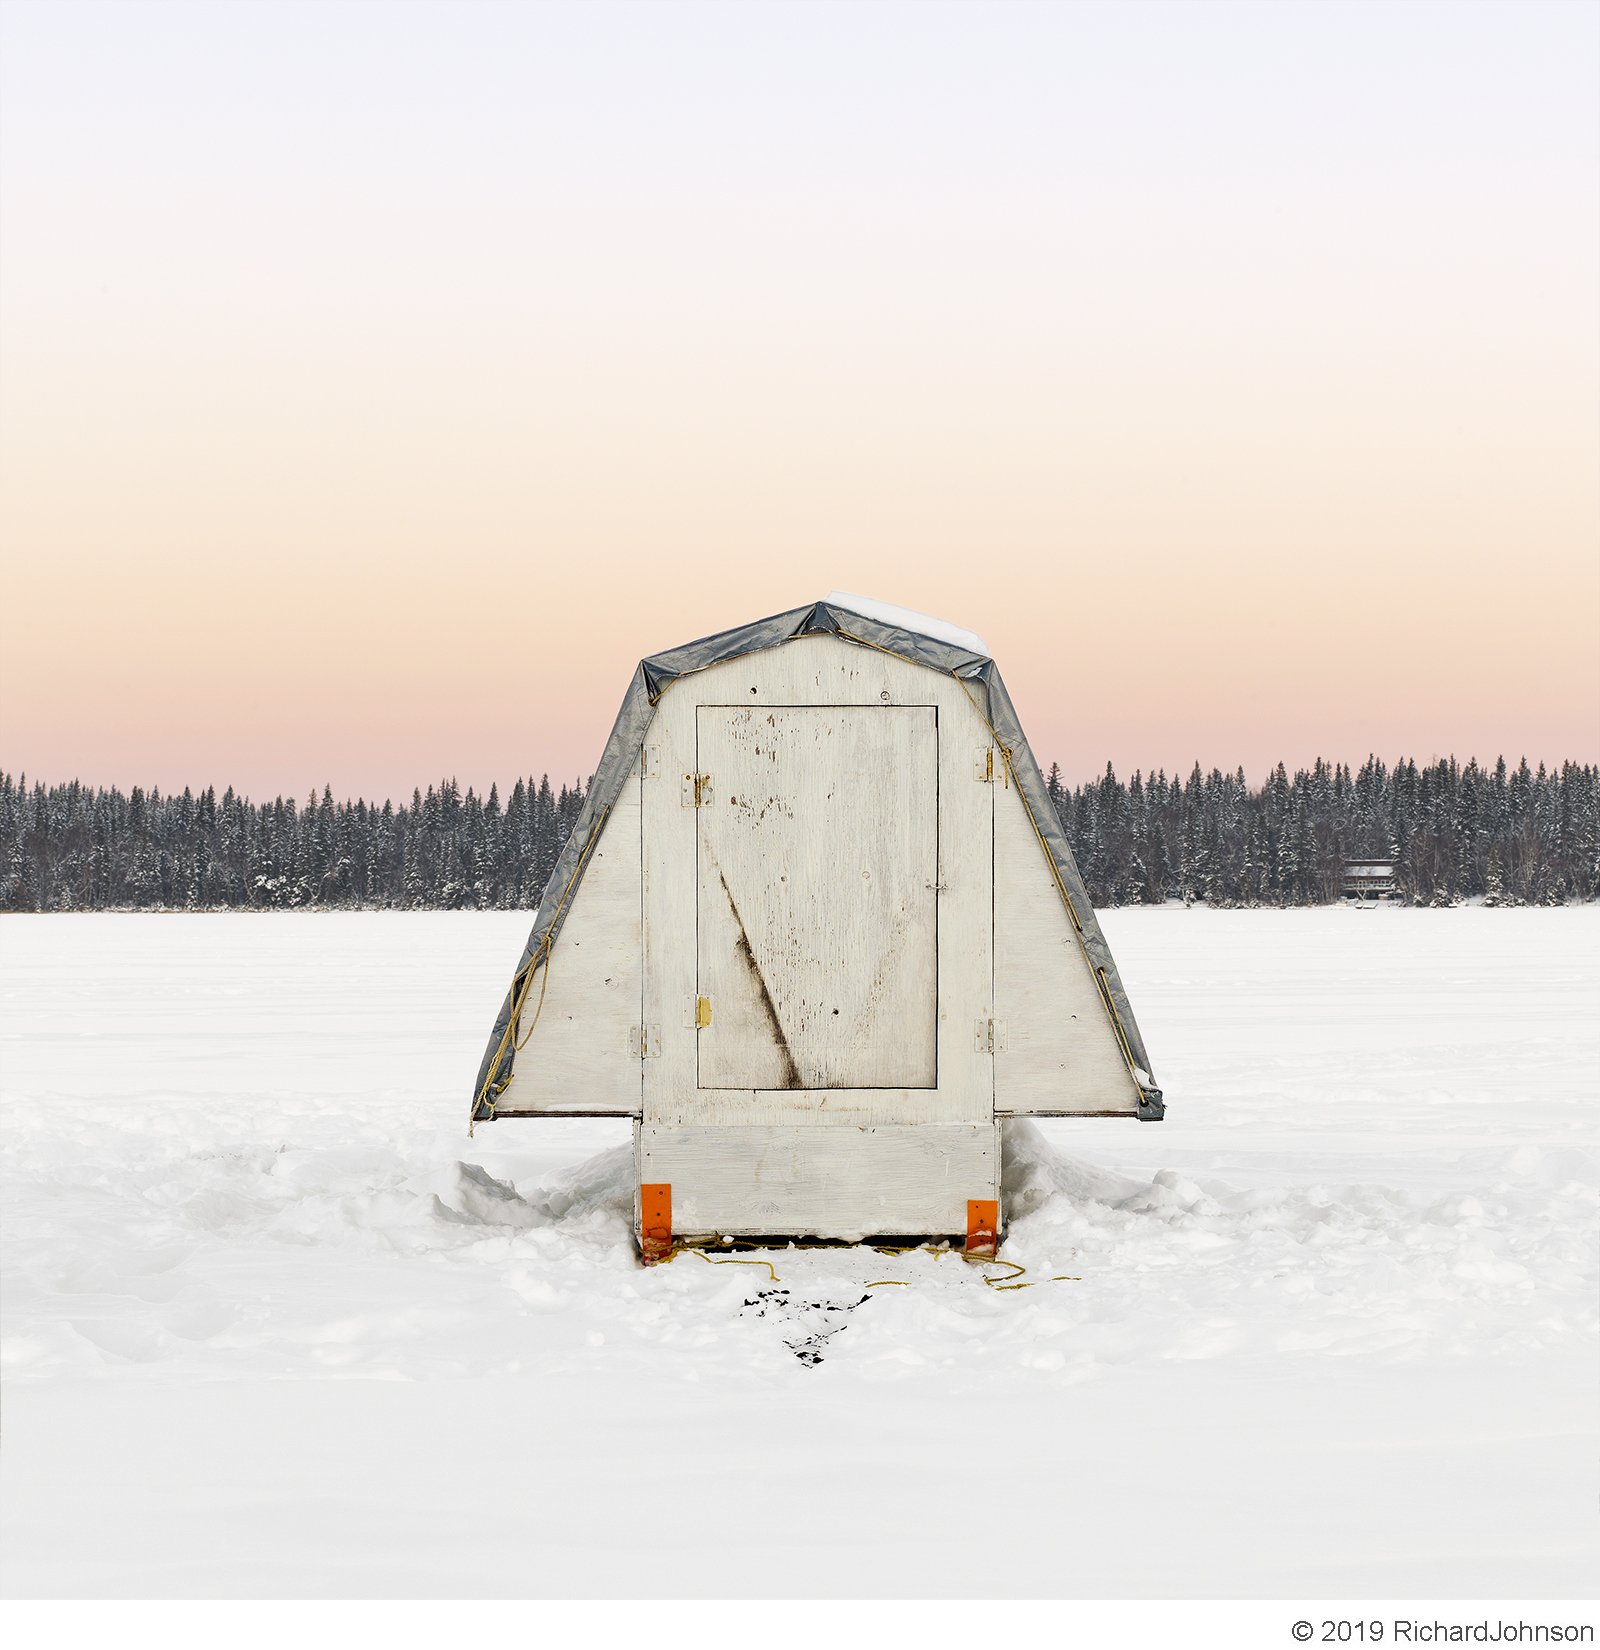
371	400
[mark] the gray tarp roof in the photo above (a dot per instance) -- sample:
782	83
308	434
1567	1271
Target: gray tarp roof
657	673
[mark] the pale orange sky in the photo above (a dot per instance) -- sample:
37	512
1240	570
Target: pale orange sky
378	384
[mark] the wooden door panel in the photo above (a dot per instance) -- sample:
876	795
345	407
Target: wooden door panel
817	919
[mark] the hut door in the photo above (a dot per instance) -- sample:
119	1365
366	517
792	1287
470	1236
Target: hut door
818	891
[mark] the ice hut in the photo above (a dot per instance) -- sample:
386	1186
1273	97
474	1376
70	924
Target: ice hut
818	932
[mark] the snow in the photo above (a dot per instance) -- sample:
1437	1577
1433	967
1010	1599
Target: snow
274	1326
907	618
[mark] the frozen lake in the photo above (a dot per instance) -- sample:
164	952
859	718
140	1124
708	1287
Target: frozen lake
273	1325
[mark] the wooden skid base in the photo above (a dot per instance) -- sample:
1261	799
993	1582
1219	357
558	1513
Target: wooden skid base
823	1180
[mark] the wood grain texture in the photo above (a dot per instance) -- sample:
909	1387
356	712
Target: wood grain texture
577	1059
1062	1055
823	671
818	896
848	1182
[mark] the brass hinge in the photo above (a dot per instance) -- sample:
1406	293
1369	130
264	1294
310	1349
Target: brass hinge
702	1013
644	1042
990	766
989	1037
696	790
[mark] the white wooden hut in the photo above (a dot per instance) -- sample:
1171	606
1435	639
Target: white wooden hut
818	932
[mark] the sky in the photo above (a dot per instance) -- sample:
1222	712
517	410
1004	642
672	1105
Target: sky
379	381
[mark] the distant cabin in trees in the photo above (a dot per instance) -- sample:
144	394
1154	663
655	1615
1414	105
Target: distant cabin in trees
1369	879
818	932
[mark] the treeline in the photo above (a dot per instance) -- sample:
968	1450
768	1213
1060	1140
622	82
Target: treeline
1510	836
70	848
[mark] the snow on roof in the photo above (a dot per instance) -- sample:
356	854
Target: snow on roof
907	618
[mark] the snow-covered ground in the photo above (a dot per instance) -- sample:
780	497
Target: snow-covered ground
275	1326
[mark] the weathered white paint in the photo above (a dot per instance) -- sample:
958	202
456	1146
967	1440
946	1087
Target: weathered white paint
1061	1054
577	1058
824	671
734	1107
818	880
847	1182
961	987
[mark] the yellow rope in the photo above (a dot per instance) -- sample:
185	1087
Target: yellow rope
994	1260
734	1260
544	980
1016	1269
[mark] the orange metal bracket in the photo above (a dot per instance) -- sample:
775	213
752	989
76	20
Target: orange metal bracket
655	1221
983	1223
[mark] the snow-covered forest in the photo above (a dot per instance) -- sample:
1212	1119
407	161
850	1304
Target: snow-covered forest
1514	835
